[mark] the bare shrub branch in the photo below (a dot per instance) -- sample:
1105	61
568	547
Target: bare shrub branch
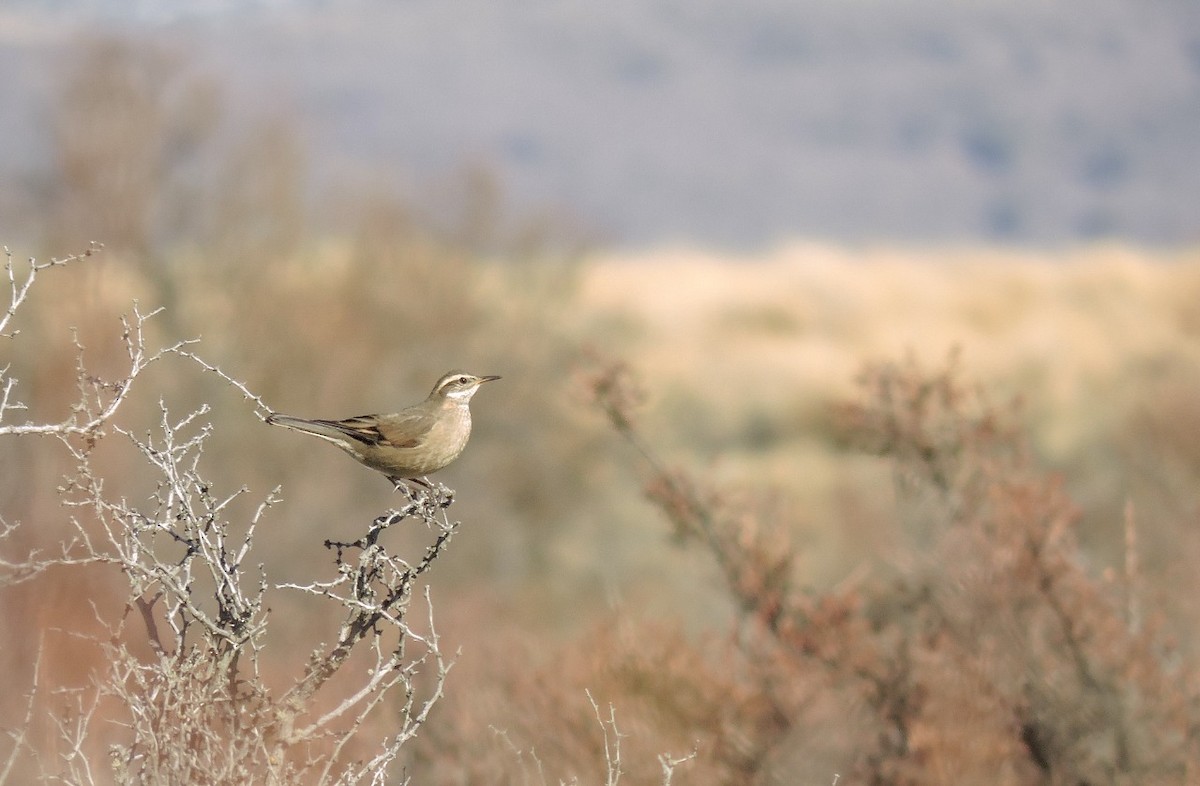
671	763
185	659
612	742
21	745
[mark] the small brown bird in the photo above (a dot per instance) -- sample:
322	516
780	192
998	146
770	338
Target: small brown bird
410	444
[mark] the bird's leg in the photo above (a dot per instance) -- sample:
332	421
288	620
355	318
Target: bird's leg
401	484
407	485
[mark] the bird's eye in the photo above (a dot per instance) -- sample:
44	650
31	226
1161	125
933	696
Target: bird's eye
463	380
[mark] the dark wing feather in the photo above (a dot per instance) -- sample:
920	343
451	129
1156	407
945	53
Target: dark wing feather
403	430
361	428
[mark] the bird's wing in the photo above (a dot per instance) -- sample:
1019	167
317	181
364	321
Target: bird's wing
403	430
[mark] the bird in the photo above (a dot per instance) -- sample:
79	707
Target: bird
408	445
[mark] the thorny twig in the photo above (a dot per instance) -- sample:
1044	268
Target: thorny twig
197	710
612	742
19	286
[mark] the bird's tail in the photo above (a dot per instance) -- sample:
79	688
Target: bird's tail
318	428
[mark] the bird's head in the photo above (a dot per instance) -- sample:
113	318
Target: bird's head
458	386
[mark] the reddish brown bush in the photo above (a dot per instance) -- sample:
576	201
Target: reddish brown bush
985	652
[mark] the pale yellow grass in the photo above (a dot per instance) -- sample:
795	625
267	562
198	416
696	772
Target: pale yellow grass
730	347
801	321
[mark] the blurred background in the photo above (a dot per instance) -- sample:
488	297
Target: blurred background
745	201
731	125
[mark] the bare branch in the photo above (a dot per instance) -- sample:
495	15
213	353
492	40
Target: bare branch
612	741
19	286
263	409
99	400
670	763
19	734
196	710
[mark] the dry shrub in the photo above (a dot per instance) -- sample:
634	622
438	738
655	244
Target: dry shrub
527	716
127	135
150	663
985	652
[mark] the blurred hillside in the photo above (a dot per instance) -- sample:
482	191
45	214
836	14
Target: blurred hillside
729	124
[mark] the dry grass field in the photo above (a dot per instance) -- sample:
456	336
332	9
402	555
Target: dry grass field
745	358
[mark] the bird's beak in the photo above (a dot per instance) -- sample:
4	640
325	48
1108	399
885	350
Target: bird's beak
492	378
